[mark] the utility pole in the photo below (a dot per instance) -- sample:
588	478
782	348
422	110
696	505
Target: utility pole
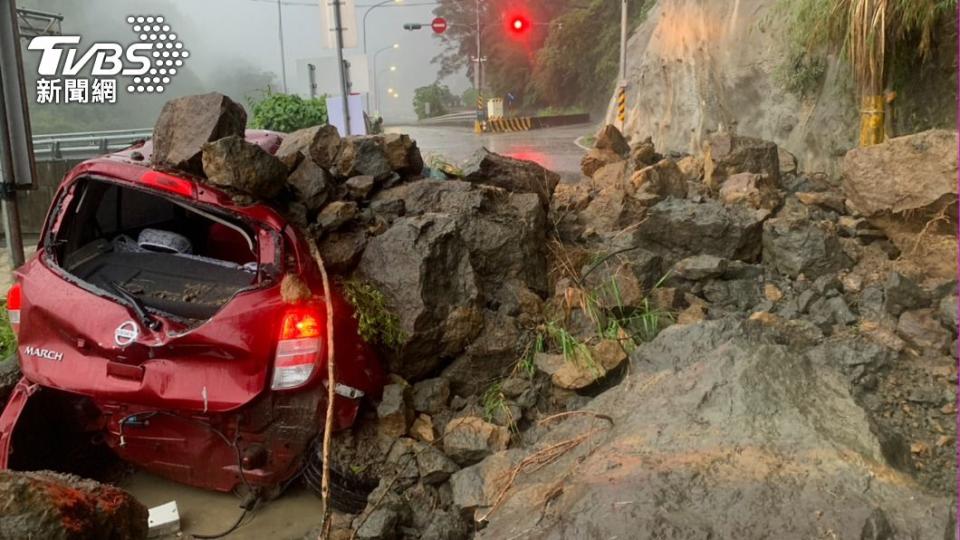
343	73
623	41
283	57
622	87
478	123
16	145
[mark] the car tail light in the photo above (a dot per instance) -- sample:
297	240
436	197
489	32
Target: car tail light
299	347
167	182
13	307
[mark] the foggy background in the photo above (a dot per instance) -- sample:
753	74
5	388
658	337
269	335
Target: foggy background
234	48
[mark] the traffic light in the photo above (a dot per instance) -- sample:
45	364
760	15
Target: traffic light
519	24
412	26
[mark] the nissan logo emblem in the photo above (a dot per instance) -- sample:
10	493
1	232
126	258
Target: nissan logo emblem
126	333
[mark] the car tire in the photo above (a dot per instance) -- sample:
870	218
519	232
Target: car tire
348	492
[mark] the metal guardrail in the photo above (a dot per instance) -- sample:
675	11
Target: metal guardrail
82	145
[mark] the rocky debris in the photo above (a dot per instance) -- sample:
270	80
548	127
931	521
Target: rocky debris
797	246
901	293
234	163
435	467
395	412
477	486
914	173
313	184
921	328
336	214
186	124
700	267
788	162
688	228
513	175
51	505
468	439
644	154
657	182
595	159
610	138
585	369
754	190
726	154
828	200
381	524
362	156
727	424
431	395
402	154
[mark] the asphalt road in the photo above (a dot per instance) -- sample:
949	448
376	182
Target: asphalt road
553	148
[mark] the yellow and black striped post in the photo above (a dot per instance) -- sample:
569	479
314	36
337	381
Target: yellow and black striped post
478	124
622	105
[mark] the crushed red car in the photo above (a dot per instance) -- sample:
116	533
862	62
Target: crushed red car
150	321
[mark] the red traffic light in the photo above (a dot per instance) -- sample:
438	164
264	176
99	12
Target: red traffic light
519	24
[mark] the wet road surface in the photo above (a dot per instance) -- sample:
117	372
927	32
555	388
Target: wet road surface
553	148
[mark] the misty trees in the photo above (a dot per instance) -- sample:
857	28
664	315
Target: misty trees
433	100
568	57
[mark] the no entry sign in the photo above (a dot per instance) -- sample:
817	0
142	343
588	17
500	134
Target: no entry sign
439	25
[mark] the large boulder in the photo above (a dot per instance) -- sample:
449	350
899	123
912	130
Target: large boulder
459	245
318	143
726	154
744	439
610	138
186	124
686	228
60	507
362	155
243	166
423	268
799	246
596	158
402	154
915	173
513	175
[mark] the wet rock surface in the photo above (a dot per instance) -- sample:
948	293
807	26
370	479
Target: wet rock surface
59	506
186	124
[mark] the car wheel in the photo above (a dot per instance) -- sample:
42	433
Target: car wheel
348	492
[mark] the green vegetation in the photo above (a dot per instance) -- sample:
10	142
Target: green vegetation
286	112
801	73
433	100
377	324
572	349
493	401
871	33
8	340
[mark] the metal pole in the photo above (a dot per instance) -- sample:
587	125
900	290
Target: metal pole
623	41
343	74
283	58
16	144
476	77
312	76
8	191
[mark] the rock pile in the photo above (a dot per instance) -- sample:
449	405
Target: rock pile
517	297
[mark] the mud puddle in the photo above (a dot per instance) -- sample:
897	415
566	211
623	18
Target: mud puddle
291	516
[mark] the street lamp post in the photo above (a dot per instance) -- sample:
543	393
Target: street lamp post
367	12
283	59
478	123
376	95
623	42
